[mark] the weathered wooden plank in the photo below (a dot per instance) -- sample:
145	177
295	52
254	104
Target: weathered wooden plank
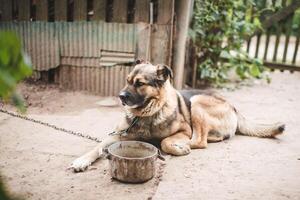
142	11
80	10
143	43
296	47
60	10
6	9
160	38
267	45
288	25
24	10
278	34
257	45
165	11
99	10
120	11
42	10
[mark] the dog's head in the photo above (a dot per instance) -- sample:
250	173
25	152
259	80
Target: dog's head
145	91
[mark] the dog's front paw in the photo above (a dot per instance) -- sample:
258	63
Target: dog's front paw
181	149
80	164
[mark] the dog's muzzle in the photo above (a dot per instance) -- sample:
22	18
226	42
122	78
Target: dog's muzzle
131	100
124	97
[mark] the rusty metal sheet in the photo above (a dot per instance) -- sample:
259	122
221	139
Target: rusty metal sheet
87	39
39	42
111	58
106	81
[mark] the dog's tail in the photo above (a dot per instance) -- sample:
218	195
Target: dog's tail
246	127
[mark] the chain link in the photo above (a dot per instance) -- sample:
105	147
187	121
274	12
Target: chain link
79	134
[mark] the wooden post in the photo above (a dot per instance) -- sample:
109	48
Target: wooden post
80	10
119	11
60	10
42	10
99	10
183	8
161	33
160	44
24	10
6	9
143	41
164	13
142	8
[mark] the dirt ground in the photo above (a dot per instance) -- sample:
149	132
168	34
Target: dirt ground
34	158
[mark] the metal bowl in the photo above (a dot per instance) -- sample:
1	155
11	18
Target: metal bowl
132	161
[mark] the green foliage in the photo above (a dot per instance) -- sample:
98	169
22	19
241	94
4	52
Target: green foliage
296	22
14	67
219	30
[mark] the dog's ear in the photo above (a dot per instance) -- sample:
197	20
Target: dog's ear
164	72
139	61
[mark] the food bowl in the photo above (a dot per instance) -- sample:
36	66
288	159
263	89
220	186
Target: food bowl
132	161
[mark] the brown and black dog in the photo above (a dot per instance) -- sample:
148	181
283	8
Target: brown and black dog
180	120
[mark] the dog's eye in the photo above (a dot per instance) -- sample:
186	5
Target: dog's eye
139	84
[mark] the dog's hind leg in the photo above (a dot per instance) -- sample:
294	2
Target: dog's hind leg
177	144
215	136
200	129
81	163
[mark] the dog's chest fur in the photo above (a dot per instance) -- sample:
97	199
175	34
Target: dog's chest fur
157	126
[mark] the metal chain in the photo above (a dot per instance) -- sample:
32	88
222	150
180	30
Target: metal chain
51	125
125	131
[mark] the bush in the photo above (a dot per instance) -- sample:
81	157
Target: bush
218	31
14	67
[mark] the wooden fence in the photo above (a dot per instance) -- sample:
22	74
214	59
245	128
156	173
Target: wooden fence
89	44
279	44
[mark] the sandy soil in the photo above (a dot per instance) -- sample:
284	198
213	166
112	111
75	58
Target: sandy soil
34	158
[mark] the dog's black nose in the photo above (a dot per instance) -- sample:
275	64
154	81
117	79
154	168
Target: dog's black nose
124	96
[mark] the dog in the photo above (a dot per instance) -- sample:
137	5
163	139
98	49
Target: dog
180	120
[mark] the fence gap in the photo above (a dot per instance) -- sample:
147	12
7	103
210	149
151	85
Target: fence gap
32	10
109	10
51	10
15	10
90	9
130	11
70	10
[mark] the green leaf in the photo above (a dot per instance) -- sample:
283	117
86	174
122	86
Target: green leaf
14	66
254	71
